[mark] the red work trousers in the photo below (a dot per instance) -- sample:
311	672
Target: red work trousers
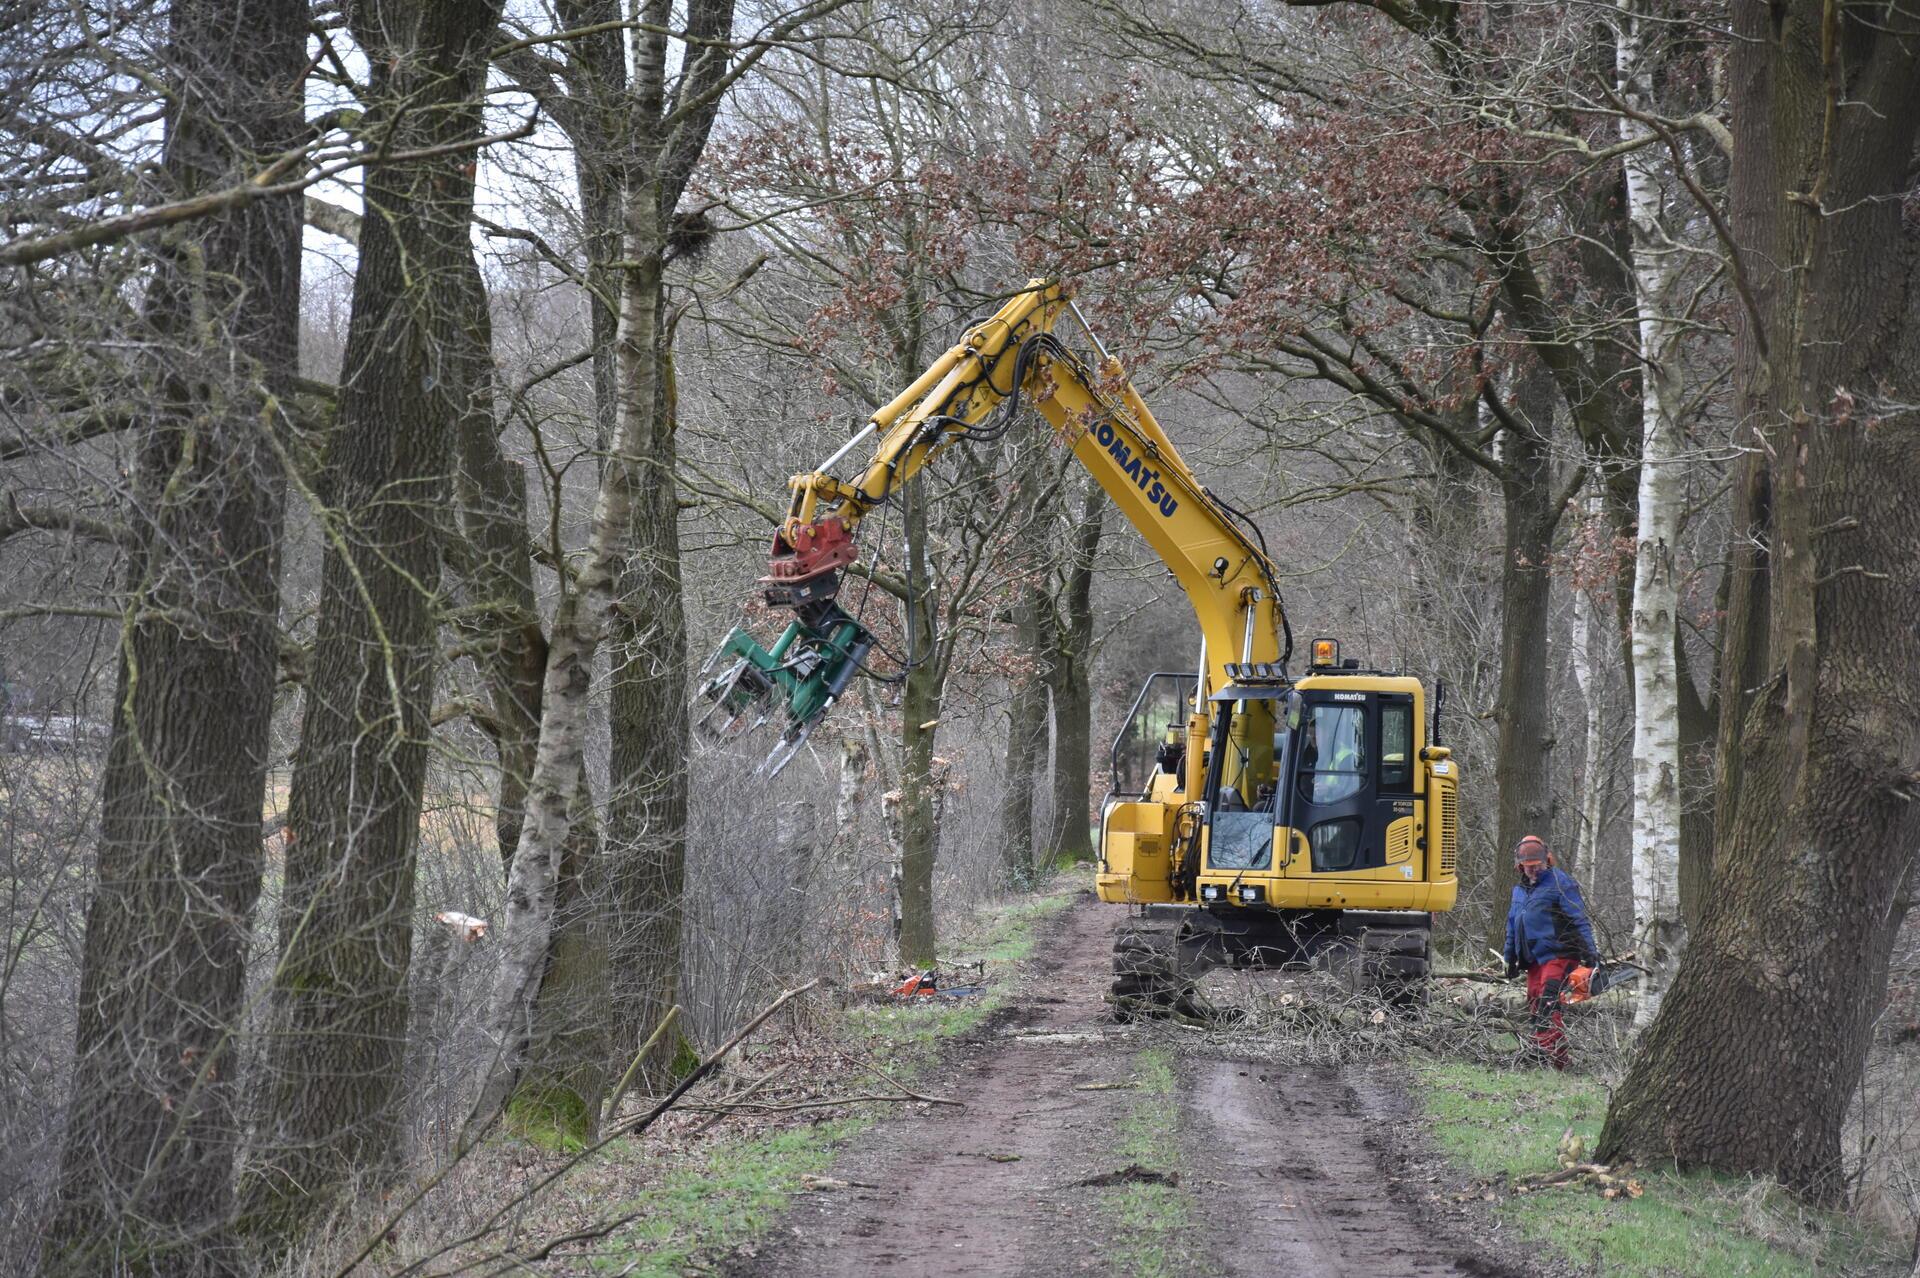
1546	982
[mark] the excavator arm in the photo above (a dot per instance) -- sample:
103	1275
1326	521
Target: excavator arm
973	391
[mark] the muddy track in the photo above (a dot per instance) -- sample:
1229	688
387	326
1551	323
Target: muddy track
1288	1172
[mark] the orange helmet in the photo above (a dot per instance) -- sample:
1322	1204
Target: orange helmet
1532	850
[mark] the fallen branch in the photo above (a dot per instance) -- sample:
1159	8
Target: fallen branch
638	1125
743	1094
712	1059
626	1079
826	1102
1611	1182
1131	1174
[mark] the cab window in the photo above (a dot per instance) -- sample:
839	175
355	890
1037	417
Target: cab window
1161	705
1396	745
1335	844
1333	752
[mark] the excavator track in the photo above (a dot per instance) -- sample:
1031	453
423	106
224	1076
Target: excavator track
1153	978
1157	962
1384	957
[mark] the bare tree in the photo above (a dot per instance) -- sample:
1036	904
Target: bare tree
1816	820
631	565
152	1132
1658	259
333	1081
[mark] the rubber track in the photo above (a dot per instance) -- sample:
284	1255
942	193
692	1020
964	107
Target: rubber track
1150	977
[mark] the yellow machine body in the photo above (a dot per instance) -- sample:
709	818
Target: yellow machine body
1415	830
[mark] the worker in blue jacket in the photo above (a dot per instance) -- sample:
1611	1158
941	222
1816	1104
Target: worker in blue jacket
1548	935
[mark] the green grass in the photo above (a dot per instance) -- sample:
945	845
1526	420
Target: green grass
1009	933
731	1193
1503	1123
1150	1221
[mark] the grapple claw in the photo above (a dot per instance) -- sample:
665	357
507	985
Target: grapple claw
741	696
799	679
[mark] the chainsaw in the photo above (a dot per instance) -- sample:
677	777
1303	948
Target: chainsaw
1584	983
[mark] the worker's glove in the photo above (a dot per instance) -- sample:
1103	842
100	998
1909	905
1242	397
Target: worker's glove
1513	969
1589	960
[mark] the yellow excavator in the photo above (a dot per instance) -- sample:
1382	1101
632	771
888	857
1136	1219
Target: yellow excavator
1256	817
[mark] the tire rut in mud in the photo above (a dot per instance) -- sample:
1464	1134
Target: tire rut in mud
989	1189
1292	1165
1285	1173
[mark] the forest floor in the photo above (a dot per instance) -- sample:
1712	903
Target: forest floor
1022	1131
1087	1147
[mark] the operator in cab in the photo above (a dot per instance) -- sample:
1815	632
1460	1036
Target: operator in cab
1548	935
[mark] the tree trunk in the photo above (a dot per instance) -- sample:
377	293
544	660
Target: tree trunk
560	1090
333	1091
647	806
147	1172
1593	781
920	717
796	854
847	802
535	887
1658	931
1070	680
1698	726
1026	745
1027	670
563	1078
1449	558
1819	758
660	129
1523	766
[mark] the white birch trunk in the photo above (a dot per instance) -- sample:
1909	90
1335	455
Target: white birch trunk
1656	723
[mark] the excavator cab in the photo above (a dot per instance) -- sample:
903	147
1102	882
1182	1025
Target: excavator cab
1316	824
1316	793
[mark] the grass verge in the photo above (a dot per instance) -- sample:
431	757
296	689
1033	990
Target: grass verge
1503	1124
728	1197
729	1193
1150	1220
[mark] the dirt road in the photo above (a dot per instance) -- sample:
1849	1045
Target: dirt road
1193	1164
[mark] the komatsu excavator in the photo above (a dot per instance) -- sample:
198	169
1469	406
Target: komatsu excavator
1256	817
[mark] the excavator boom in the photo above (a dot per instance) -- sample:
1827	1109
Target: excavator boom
973	390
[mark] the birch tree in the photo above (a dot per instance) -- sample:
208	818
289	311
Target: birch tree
1592	784
677	77
1658	930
